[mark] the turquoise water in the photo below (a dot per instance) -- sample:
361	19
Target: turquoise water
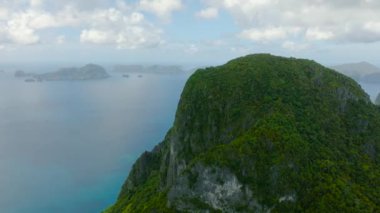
68	146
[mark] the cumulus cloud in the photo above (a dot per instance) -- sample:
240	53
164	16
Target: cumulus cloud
122	25
317	20
162	8
317	34
125	31
96	36
192	49
36	3
294	46
61	39
208	13
267	34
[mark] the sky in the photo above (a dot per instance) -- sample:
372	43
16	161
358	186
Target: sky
187	31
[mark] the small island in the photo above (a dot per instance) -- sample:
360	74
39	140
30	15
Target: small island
88	72
22	74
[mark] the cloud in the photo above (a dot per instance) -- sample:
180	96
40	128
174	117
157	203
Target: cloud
96	36
60	39
267	34
293	46
354	21
192	49
122	26
317	34
161	8
125	31
208	13
36	3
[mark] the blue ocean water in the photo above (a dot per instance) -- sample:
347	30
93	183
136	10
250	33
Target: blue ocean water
68	146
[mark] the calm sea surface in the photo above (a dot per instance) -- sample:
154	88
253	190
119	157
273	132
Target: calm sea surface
68	146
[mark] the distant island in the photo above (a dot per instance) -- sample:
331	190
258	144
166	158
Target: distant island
87	72
22	74
363	71
155	69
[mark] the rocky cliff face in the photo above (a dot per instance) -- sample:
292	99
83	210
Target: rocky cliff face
260	134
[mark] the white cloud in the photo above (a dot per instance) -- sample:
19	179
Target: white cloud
125	31
22	35
60	39
21	27
317	34
317	20
3	13
372	26
192	49
123	27
161	8
96	36
263	34
293	46
208	13
36	3
267	34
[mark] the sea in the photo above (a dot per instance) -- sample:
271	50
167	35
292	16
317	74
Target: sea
67	147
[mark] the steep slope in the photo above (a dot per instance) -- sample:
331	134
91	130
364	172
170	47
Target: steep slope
263	133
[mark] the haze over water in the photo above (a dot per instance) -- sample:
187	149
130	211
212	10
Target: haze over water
68	146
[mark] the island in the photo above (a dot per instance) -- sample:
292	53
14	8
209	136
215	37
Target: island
22	74
87	72
263	134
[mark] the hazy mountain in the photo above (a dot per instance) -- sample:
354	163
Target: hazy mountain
357	70
156	69
263	134
371	78
22	74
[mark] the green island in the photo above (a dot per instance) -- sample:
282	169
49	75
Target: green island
263	134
